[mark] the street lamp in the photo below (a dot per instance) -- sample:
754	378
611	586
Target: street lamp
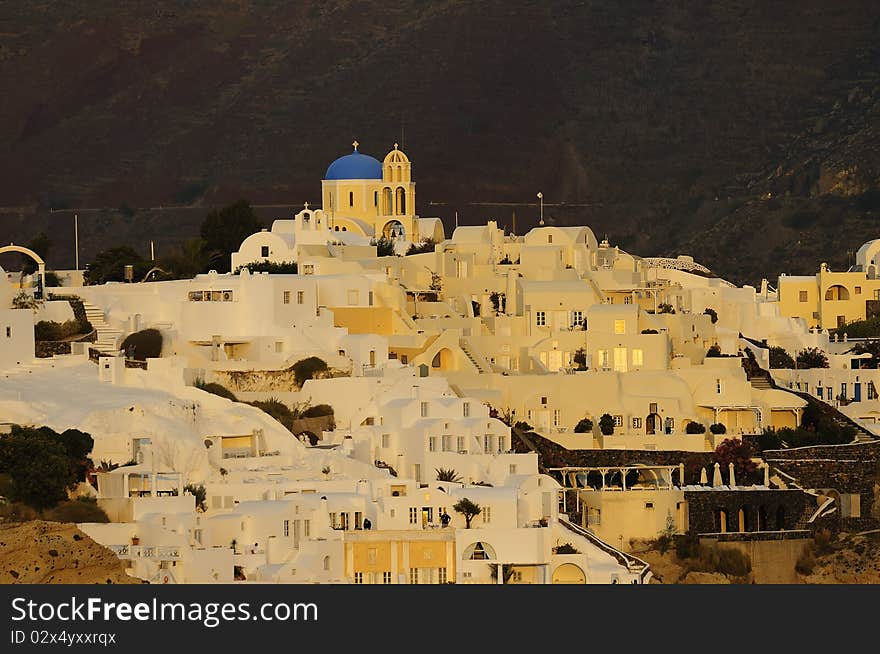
541	198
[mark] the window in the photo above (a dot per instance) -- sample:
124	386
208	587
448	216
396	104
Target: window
309	269
603	359
424	409
466	409
358	577
487	514
858	290
432	444
279	347
386	440
447	443
441	575
264	251
286	528
413	575
512	469
300	297
350	199
627	299
540	318
819	392
843	390
376	204
307	528
544	400
413	515
636	423
638	357
8	331
718	386
802	296
620	359
618	421
500	444
649	505
620	326
872	391
286	299
459	444
577	317
352	297
386	577
557	417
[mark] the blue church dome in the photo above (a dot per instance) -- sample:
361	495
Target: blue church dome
355	166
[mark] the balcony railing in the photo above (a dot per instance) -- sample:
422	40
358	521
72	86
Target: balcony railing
160	552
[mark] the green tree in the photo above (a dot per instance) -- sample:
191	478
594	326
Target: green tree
109	266
812	357
779	358
584	426
201	495
187	260
713	315
271	267
713	351
468	509
427	245
384	247
308	368
447	475
37	465
224	229
871	347
41	244
606	424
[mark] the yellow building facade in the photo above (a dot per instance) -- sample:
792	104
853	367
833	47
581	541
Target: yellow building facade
400	556
372	198
828	299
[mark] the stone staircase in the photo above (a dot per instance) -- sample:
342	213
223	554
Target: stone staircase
478	364
108	337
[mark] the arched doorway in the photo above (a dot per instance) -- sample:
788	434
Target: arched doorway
652	423
837	292
41	265
569	573
393	229
443	359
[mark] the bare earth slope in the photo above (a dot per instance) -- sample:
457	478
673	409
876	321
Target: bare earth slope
654	121
41	552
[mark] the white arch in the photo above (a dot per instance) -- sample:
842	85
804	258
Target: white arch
41	265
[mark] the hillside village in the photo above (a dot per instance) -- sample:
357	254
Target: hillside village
363	399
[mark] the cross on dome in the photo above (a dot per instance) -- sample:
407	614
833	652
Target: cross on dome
306	205
355	144
395	146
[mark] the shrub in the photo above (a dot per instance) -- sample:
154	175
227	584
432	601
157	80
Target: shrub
83	509
686	546
713	315
271	267
806	561
779	358
580	358
733	450
822	541
444	474
565	548
37	464
522	425
18	512
812	357
717	428
727	561
143	345
665	308
384	247
584	426
713	351
695	428
650	331
216	389
278	410
317	411
606	424
307	369
427	245
769	439
201	495
47	330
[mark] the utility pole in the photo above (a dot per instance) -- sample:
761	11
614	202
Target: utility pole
76	238
541	198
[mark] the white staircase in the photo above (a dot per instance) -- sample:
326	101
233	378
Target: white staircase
108	337
476	360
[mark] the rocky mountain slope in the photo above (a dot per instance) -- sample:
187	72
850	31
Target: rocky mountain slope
41	552
663	124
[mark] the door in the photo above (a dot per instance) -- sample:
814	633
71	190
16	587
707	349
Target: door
427	515
620	359
857	392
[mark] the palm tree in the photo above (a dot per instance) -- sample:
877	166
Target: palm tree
447	475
